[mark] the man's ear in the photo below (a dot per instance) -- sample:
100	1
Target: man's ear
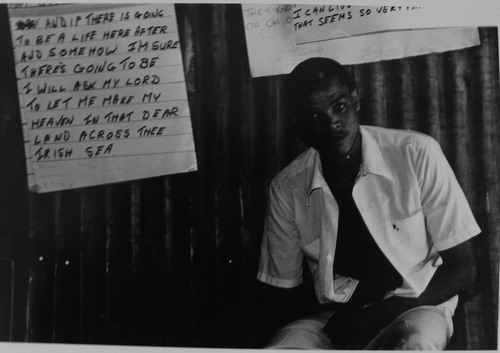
355	99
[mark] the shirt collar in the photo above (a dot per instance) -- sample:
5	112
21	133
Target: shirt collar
315	179
373	162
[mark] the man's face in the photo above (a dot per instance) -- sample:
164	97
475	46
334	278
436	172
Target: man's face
331	118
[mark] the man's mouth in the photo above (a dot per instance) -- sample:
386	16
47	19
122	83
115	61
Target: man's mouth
337	133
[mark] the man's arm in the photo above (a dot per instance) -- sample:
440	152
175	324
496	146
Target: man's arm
354	328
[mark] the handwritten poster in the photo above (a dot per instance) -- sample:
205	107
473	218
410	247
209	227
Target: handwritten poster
273	49
102	94
314	23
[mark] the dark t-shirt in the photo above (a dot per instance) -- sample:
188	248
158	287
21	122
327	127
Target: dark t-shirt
357	255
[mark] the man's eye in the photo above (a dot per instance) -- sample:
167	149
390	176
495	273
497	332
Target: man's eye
338	108
313	116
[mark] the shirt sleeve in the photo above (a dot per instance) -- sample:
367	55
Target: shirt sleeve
448	216
281	255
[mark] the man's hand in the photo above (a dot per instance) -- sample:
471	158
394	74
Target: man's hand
352	328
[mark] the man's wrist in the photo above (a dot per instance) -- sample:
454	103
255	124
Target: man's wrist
389	309
365	294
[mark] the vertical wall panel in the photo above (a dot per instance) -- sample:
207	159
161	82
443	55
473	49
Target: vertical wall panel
92	276
172	260
118	262
489	180
374	77
221	159
40	265
181	281
66	267
431	108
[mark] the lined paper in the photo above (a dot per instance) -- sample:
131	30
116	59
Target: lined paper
102	94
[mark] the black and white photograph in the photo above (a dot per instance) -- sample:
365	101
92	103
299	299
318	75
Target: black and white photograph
249	176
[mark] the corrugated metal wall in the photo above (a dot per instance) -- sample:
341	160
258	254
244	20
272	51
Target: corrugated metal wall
171	260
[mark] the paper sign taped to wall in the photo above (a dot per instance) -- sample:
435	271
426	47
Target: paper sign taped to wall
102	94
273	50
313	23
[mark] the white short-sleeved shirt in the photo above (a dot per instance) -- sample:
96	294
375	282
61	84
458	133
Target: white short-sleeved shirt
407	195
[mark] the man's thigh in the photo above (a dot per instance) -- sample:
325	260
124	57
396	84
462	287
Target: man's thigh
423	328
426	327
305	333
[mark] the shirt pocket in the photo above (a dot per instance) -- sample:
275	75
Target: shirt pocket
407	239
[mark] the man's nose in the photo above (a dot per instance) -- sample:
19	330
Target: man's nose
333	119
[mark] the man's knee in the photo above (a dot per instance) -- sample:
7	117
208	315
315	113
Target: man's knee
410	338
417	341
306	333
425	328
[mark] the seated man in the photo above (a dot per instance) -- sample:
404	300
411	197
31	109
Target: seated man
380	219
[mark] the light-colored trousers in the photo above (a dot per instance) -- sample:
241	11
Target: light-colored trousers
422	328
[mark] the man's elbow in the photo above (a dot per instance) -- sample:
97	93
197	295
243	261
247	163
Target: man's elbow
467	282
461	265
469	276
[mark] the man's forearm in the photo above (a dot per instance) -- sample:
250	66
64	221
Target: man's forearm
455	275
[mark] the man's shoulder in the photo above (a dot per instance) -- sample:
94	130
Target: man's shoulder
397	138
296	169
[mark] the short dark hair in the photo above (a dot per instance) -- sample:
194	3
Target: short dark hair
310	75
316	73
